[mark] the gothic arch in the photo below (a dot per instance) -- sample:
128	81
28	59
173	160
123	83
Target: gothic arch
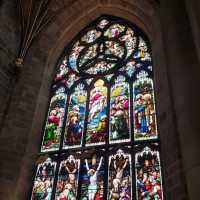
52	42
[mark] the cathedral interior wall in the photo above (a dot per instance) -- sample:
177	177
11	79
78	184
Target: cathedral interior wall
168	30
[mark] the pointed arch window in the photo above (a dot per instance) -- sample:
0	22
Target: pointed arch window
100	138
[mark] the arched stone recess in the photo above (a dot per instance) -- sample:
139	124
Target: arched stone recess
30	100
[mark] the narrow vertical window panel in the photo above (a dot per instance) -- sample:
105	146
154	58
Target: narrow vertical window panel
92	178
44	179
119	127
120	176
75	118
54	123
148	175
67	184
97	119
144	113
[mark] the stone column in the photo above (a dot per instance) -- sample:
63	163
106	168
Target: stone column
183	72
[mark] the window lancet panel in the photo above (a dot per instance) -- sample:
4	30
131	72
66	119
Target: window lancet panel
54	122
144	108
74	128
120	111
44	179
148	174
68	177
97	118
92	177
120	176
101	129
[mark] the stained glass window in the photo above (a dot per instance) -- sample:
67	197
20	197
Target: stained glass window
100	137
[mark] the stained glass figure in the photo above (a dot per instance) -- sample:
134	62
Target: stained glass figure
75	118
115	49
130	41
43	183
119	111
93	178
70	79
130	68
67	183
63	70
54	123
142	52
119	180
148	175
77	48
91	36
114	30
144	108
100	67
97	119
89	54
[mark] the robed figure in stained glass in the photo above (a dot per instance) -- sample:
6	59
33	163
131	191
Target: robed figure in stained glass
67	184
54	123
42	189
148	174
119	111
75	118
144	109
97	119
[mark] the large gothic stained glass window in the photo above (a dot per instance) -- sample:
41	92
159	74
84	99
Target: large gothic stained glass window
100	137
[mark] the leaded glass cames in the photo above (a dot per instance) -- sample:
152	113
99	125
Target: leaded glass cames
100	131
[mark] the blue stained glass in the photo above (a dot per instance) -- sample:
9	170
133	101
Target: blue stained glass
144	108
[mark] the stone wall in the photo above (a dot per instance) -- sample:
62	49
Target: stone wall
9	42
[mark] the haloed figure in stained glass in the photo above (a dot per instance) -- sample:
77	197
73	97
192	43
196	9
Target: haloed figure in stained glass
97	119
